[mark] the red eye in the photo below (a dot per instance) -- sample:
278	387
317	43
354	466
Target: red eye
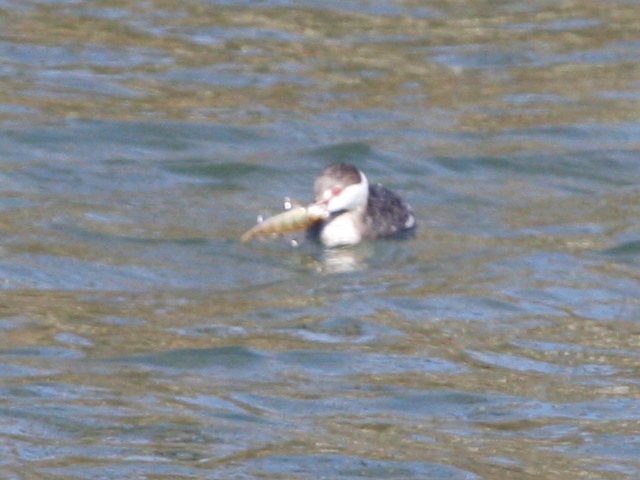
336	191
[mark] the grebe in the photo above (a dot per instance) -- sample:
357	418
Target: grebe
357	210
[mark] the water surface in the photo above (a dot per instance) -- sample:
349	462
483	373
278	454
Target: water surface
141	339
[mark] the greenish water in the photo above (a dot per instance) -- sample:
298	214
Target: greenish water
141	339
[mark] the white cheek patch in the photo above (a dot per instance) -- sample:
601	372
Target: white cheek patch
350	198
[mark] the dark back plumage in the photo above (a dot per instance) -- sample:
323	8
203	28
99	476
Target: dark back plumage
387	214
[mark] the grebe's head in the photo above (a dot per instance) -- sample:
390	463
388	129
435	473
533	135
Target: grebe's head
341	187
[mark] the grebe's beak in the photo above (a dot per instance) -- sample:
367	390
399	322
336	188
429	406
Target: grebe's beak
319	208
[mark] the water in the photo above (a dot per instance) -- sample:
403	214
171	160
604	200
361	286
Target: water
140	339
